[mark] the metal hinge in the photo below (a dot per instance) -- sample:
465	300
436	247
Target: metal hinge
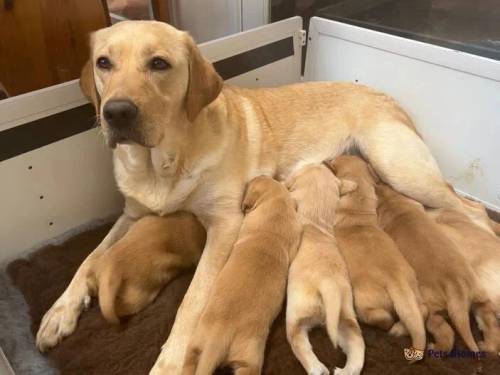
303	37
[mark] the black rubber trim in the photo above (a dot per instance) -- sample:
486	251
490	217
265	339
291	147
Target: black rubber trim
44	131
41	132
244	62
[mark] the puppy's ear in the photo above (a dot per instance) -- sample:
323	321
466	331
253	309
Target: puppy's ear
249	201
204	84
347	186
289	183
87	85
373	173
329	164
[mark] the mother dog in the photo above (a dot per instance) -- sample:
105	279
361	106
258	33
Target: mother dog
183	140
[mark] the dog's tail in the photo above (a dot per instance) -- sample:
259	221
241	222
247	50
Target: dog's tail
458	309
109	285
407	307
333	302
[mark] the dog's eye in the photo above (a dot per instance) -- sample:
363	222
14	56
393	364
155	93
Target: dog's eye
157	63
103	63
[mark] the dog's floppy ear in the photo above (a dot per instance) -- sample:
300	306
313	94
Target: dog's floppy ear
347	186
87	85
204	84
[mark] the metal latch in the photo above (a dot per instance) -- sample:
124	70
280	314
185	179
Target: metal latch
303	37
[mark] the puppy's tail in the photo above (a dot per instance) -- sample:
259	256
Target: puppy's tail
108	291
458	309
333	302
406	306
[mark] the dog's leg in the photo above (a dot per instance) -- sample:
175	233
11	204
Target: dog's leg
221	236
402	159
61	319
380	318
297	335
487	322
350	338
247	357
443	334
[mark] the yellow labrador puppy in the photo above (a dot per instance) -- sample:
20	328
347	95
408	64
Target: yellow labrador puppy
319	289
384	283
183	140
154	251
447	282
249	291
479	247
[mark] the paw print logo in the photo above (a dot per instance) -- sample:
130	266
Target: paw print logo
413	355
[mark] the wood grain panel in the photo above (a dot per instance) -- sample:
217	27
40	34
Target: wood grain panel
45	42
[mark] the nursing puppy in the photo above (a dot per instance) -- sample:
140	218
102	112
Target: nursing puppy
479	247
249	291
446	280
383	282
155	250
319	288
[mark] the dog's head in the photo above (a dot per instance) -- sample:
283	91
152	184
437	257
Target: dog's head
147	80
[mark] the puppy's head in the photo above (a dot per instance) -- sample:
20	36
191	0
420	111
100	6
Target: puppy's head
147	80
259	189
353	168
350	166
390	203
316	190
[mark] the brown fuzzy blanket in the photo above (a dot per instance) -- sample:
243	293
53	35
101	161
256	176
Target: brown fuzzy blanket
131	348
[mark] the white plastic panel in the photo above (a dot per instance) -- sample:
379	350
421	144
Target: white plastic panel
454	97
74	175
53	189
281	72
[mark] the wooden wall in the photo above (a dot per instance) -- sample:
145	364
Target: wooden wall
45	42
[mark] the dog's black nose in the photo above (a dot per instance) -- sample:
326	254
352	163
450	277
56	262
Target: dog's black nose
120	113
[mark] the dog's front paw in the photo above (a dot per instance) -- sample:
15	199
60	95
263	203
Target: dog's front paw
169	362
319	369
59	321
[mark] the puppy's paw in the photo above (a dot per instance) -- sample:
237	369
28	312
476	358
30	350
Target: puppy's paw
398	330
170	361
347	371
342	371
59	321
166	368
319	369
490	346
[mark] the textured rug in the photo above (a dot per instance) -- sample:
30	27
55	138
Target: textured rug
131	348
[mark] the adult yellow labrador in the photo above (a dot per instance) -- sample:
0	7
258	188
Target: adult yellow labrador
184	140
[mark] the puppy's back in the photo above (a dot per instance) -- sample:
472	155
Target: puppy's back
153	251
